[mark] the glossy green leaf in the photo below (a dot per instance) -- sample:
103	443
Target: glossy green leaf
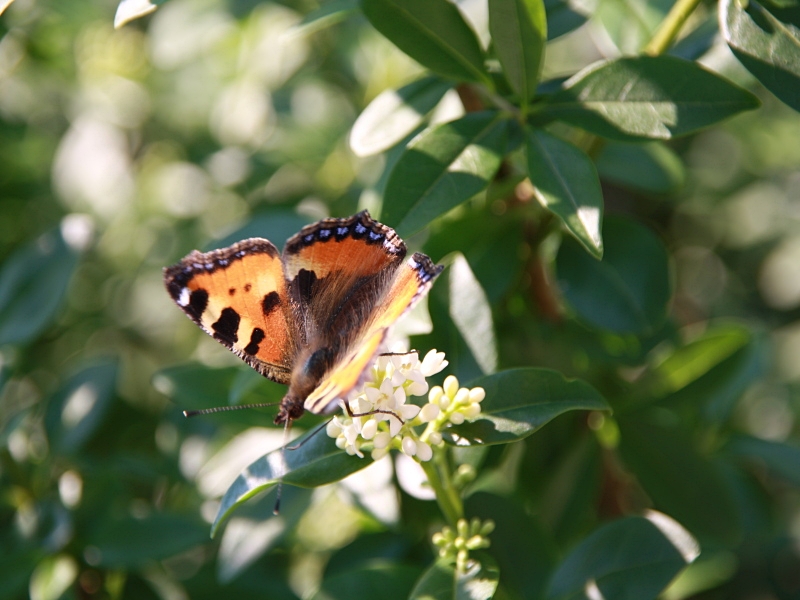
629	290
130	10
778	458
524	553
647	167
633	558
658	97
566	183
395	114
53	577
768	47
443	582
315	462
33	283
443	167
385	581
327	14
433	33
131	542
520	401
661	454
78	408
472	314
564	16
519	32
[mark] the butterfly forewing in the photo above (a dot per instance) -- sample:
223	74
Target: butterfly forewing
238	295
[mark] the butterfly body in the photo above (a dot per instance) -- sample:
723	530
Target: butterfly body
313	317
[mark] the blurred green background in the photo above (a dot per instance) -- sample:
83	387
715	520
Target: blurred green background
212	120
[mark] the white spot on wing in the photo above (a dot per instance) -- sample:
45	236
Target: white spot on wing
183	299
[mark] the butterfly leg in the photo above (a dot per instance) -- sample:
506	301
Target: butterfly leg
351	414
397	353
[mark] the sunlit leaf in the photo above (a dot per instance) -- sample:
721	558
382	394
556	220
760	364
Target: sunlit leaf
52	577
632	279
315	461
520	401
443	582
388	581
395	114
519	32
643	561
443	167
130	10
768	47
433	33
33	282
78	408
647	167
255	530
657	97
4	4
566	183
472	314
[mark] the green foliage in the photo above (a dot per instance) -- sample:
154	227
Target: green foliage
613	197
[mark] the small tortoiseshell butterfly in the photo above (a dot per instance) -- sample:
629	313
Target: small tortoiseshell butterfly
314	317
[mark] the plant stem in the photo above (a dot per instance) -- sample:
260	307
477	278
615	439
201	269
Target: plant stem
439	478
670	27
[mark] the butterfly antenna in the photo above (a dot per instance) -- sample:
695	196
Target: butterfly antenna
287	427
217	409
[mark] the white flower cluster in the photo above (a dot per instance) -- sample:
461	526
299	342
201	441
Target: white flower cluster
381	417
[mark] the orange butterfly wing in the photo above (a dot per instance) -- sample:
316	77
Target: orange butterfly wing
238	296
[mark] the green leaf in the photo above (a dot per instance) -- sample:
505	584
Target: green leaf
443	582
657	97
768	47
629	290
690	362
564	16
276	225
630	24
130	10
566	183
715	369
327	14
524	553
53	576
131	542
520	401
472	314
519	32
443	167
394	114
33	283
16	567
779	459
384	581
646	167
630	559
315	462
433	33
78	408
661	454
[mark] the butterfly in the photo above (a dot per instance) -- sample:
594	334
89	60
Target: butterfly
314	317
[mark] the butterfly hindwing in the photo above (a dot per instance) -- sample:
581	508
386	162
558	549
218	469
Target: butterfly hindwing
238	295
